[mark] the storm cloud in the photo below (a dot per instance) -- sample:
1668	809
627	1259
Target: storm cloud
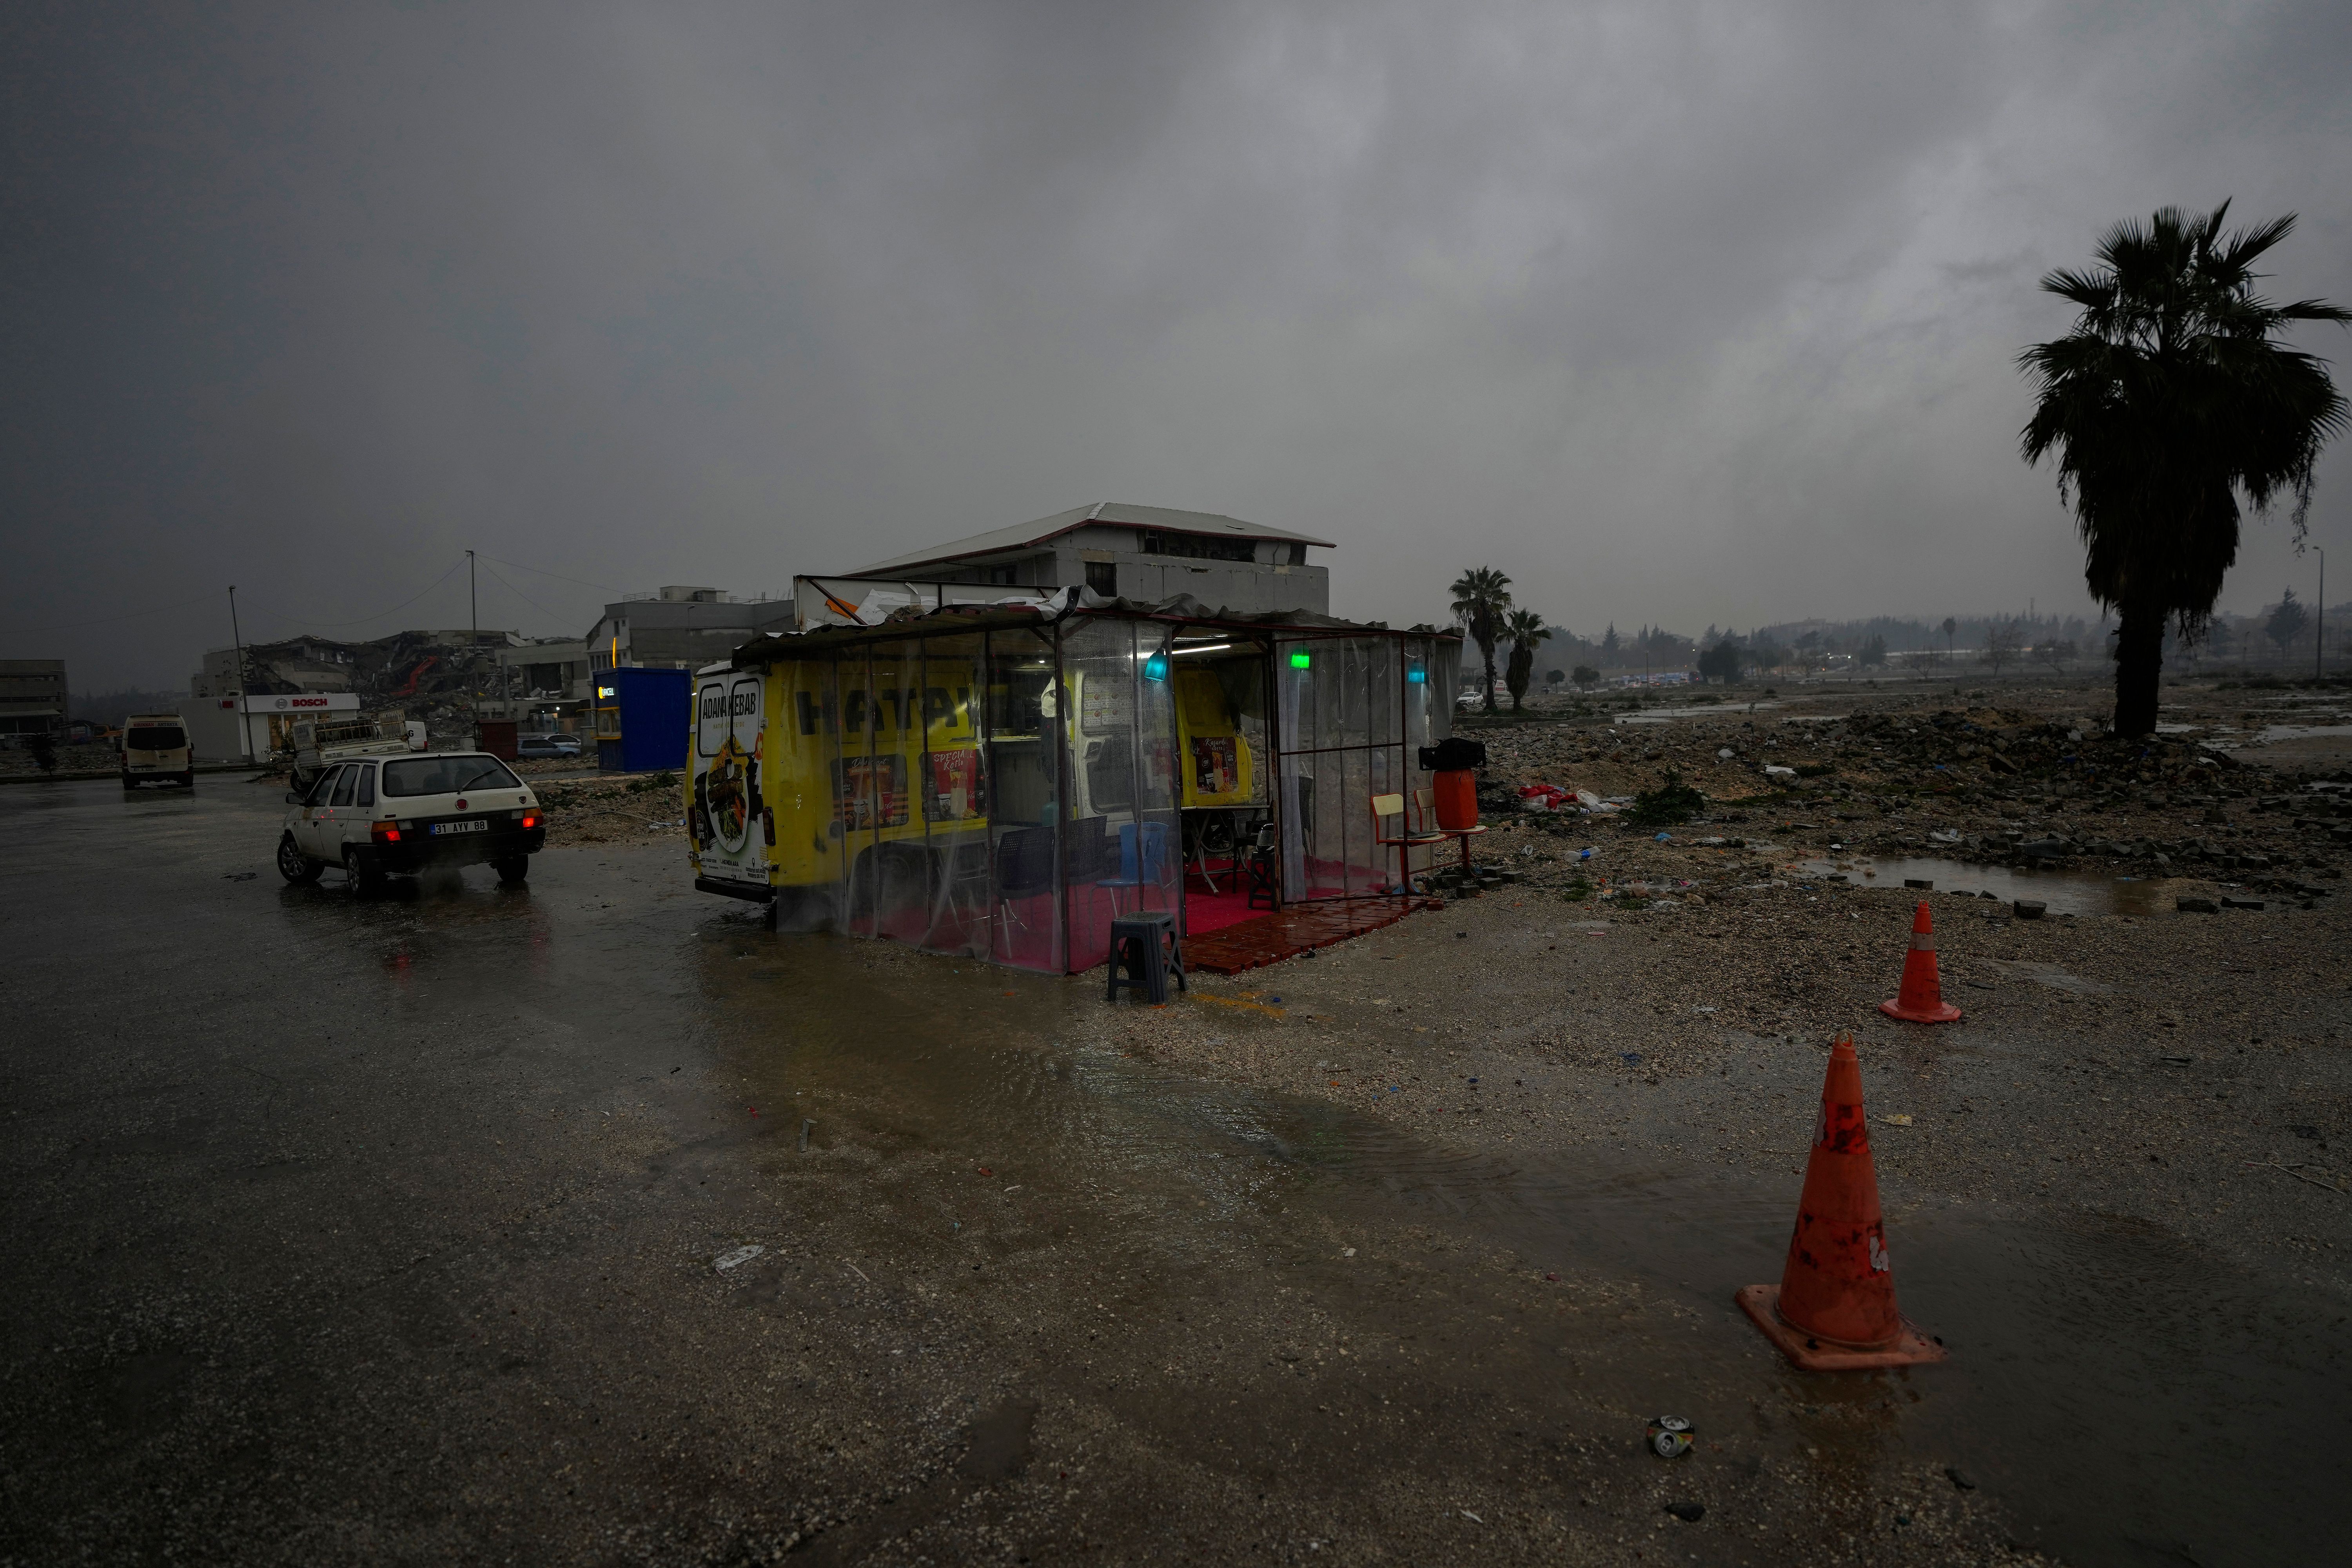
1697	313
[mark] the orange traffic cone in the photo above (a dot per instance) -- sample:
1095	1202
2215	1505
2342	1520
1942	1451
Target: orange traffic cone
1921	1000
1833	1310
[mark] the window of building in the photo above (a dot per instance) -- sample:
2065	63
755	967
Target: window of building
1102	577
1002	576
1199	547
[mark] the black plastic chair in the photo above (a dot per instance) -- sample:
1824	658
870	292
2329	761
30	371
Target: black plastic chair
1264	883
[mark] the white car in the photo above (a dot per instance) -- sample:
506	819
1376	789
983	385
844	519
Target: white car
376	818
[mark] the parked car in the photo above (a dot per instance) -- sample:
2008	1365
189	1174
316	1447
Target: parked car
155	750
376	818
547	746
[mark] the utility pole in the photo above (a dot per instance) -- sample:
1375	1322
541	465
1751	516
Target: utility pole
244	729
474	652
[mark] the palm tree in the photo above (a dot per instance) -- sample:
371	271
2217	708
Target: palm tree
1525	629
1480	597
2168	402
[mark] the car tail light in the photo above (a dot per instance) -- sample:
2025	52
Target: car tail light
530	819
385	832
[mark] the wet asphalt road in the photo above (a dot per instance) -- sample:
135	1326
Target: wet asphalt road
470	1223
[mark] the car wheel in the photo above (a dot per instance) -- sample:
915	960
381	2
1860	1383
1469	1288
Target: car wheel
129	783
188	779
363	880
296	867
512	869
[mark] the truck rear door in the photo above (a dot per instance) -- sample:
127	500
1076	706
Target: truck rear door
727	802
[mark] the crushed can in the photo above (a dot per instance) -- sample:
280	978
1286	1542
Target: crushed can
1670	1436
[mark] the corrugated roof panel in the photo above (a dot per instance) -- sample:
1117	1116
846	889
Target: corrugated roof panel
1029	535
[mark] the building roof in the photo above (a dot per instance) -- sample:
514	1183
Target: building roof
956	620
1029	535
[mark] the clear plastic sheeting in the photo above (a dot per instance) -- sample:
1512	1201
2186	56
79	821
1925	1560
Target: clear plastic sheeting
1005	793
1351	715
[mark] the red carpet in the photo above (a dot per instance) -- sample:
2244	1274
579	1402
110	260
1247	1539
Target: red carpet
1270	938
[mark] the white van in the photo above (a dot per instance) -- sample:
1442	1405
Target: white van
155	749
377	817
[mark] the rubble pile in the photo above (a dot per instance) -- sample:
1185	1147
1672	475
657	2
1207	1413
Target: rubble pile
1860	774
428	676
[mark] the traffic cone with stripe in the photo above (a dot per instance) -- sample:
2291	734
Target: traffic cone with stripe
1921	1000
1833	1310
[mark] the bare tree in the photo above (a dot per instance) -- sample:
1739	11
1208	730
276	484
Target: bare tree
2001	643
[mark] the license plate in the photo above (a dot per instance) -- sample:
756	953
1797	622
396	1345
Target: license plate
476	826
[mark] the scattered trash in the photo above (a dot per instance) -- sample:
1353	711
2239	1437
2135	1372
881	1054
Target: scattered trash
2029	909
1774	770
1959	1479
2196	907
1554	1278
1347	1252
1670	1436
805	1127
679	823
1925	884
985	1171
1900	1119
1633	1058
1545	797
1664	838
240	876
738	1258
1471	1517
1688	1512
2253	904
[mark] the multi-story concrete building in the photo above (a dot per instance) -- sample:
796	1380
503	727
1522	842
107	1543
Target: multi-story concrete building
541	683
1142	553
32	696
680	628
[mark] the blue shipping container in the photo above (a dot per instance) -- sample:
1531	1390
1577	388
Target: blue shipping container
644	719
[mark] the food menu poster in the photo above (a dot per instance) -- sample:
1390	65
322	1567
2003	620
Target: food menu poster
870	792
956	787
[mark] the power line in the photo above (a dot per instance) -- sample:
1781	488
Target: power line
541	572
380	614
518	594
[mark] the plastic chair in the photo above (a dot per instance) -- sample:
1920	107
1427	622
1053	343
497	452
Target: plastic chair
1424	805
1140	858
1391	805
1260	866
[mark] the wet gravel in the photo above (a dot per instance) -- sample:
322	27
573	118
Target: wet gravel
404	1240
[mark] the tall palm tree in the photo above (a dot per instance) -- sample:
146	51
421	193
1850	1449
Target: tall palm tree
2168	402
1525	630
1480	597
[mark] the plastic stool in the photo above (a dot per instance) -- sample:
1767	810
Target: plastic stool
1144	951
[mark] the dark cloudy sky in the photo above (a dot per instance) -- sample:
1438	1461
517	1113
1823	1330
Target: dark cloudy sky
1680	313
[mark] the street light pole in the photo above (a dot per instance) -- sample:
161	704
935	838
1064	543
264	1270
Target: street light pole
244	725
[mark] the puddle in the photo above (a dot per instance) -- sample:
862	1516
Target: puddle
2271	733
2066	892
2117	1387
1705	710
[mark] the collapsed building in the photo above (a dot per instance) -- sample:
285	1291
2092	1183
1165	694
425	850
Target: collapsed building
435	678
